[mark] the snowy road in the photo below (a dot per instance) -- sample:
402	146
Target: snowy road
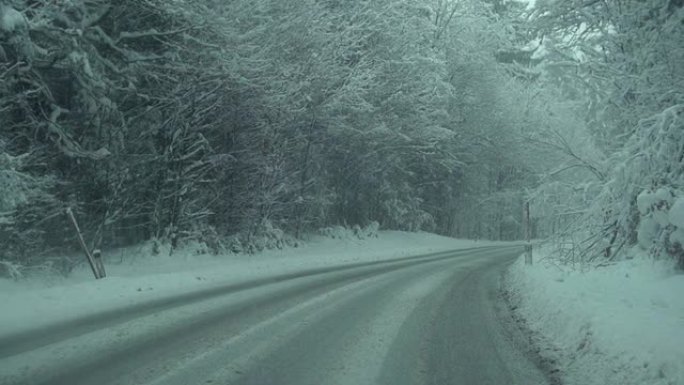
421	320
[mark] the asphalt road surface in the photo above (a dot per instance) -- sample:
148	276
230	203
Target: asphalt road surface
434	319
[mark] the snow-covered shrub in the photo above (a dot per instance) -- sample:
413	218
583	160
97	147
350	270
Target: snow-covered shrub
266	237
235	245
356	231
408	215
675	240
661	223
156	246
646	184
654	207
676	219
659	143
200	239
371	231
334	232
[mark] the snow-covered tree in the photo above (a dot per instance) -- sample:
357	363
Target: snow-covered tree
617	60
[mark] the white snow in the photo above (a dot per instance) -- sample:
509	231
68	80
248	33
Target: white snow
32	303
619	324
648	201
663	194
647	231
676	218
676	214
658	210
645	200
10	18
677	236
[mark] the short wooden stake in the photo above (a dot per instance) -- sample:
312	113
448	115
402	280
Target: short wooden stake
97	256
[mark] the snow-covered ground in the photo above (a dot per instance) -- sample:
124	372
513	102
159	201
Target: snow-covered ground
619	324
32	303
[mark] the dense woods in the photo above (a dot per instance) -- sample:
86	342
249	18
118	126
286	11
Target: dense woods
247	124
199	120
618	68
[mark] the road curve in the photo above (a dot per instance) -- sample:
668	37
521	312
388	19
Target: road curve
429	319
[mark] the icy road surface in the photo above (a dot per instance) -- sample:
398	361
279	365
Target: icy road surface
431	319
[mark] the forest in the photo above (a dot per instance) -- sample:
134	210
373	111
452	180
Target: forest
245	125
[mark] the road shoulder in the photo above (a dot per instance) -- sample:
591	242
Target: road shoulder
535	346
619	323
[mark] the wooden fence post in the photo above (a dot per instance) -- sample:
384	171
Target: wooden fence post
528	233
89	257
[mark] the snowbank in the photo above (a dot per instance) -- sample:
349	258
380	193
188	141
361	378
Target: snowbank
621	324
32	303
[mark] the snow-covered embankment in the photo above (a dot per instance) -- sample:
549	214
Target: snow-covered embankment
620	324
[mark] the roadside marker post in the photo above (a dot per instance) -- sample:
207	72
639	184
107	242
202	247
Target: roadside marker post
97	256
89	257
528	233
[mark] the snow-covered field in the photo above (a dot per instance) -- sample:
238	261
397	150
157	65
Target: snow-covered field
621	324
32	303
